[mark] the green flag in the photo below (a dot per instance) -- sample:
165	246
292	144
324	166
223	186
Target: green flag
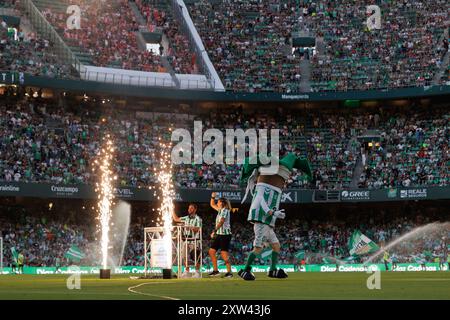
418	258
350	259
14	254
289	161
328	260
359	244
74	254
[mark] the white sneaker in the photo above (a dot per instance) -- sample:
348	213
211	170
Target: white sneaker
186	274
196	274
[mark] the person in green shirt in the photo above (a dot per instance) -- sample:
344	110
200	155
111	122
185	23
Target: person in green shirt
20	262
437	260
221	235
448	261
394	260
28	174
191	237
57	264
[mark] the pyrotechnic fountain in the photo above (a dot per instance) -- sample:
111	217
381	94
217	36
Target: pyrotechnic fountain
163	172
105	191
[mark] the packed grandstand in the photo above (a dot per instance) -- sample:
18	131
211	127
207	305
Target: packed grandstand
55	138
249	42
41	142
44	142
44	236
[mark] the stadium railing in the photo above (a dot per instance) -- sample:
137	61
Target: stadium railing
134	78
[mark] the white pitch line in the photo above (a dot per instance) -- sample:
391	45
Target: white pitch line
421	279
149	294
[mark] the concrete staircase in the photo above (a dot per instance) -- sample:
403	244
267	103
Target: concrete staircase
444	66
137	13
161	5
445	61
359	167
170	70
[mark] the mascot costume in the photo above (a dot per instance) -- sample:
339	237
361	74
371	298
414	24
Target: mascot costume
266	188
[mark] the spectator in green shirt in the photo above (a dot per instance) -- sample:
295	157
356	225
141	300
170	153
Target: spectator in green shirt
20	262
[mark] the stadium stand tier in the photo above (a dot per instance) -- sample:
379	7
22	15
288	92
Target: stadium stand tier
158	13
44	235
41	142
30	54
107	37
250	43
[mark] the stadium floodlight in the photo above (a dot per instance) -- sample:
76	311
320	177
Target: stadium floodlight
157	256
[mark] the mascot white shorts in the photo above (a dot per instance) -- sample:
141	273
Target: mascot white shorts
264	233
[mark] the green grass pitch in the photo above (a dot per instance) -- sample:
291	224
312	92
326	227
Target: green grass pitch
407	285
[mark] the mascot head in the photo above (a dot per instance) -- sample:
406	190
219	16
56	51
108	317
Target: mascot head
254	171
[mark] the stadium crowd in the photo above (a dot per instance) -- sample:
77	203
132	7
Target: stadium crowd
42	240
40	142
323	239
250	43
406	51
159	15
413	151
108	35
25	52
8	3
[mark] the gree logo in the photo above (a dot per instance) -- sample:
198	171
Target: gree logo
355	194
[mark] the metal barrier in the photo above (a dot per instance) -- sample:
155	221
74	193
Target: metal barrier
180	245
164	80
46	30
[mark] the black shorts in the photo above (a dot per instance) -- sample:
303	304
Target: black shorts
221	242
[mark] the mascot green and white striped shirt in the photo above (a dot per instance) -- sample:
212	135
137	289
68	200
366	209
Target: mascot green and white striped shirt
265	198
